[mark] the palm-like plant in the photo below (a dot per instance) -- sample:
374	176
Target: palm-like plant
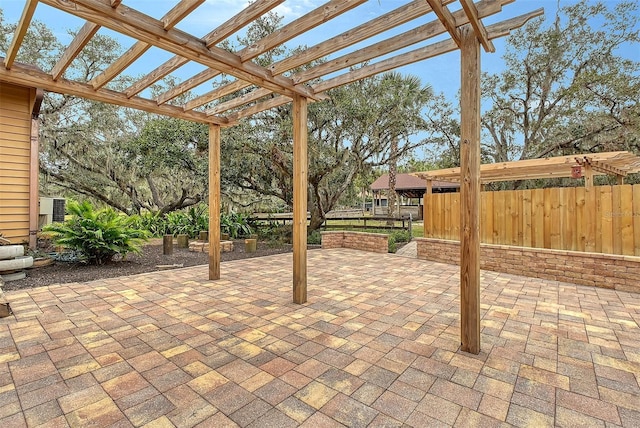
97	235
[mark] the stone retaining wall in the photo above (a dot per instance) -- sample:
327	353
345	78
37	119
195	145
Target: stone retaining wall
594	269
363	241
203	247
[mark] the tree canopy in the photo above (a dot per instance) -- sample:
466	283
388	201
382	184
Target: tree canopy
565	88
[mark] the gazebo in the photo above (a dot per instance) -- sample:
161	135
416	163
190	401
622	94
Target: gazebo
273	86
407	186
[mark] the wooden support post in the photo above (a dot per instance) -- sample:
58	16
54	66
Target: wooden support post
183	240
591	211
214	202
167	245
300	166
588	176
426	209
620	179
34	187
373	203
470	192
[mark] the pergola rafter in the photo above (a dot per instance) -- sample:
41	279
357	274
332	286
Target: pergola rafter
175	15
134	24
314	18
266	81
372	28
246	16
494	31
272	87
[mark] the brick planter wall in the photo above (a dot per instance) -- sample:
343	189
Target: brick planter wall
363	241
594	269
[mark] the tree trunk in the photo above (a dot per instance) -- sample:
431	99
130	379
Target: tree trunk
317	219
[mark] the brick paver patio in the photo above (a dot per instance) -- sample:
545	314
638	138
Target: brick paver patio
377	345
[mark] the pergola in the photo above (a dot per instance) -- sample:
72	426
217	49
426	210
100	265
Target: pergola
618	164
275	85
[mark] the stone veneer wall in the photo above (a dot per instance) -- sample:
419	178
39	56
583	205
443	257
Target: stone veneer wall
594	269
374	242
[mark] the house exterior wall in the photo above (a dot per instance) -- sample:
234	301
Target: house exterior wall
17	182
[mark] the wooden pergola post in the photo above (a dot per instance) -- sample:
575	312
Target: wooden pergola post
34	186
590	213
588	175
470	192
214	202
426	209
300	167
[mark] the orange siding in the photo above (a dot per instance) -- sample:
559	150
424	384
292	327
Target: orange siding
15	152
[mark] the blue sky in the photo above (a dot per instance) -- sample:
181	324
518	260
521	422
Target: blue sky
442	73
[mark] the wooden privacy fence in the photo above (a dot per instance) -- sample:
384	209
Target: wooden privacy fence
603	219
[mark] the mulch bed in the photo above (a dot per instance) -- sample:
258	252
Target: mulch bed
148	261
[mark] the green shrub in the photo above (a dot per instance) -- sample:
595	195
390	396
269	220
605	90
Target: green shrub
265	230
400	235
397	236
189	221
97	235
236	225
393	246
153	222
314	238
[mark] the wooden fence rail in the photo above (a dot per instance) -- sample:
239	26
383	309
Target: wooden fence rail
368	222
605	219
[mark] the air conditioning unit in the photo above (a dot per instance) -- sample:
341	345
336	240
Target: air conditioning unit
51	210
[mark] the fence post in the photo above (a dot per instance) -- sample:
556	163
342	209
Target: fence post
410	227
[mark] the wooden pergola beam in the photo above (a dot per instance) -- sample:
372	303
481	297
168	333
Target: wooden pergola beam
240	20
312	19
496	30
605	168
21	31
478	27
447	19
411	37
179	12
169	20
400	41
146	29
238	101
616	163
374	27
193	81
116	67
30	76
88	30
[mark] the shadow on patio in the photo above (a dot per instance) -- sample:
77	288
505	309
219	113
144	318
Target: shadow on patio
376	344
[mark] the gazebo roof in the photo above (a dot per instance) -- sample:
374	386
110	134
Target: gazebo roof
613	163
268	87
409	182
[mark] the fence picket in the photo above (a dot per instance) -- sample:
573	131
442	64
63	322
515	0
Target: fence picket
603	219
